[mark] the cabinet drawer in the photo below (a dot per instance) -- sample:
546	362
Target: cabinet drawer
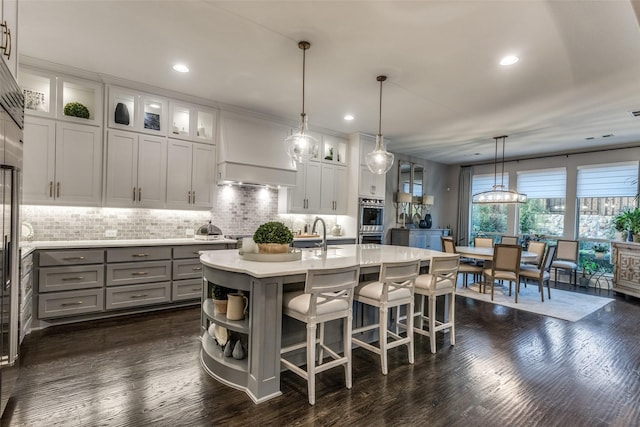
70	303
193	251
137	295
138	254
138	272
187	269
187	289
74	257
53	279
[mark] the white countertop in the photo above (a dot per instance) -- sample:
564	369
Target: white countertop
335	257
64	244
313	239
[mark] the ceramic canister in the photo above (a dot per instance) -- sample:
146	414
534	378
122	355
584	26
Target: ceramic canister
236	306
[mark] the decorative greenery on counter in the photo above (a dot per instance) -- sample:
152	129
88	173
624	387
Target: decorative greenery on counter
76	109
273	232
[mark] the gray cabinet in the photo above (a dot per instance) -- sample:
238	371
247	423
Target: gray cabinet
81	284
425	238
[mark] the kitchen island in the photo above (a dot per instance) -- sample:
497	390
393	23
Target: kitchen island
261	332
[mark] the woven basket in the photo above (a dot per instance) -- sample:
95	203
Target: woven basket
273	248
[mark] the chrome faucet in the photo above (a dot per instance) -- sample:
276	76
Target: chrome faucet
324	232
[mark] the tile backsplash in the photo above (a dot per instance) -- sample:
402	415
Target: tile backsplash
237	211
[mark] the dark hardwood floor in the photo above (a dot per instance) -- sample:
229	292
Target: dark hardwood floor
508	368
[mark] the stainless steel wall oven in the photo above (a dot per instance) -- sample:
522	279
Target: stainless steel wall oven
371	221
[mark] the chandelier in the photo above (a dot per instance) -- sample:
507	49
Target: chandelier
379	161
499	193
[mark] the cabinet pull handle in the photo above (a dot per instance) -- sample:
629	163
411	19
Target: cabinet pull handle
139	296
194	197
188	197
196	289
58	189
139	194
134	194
196	252
140	255
50	188
67	304
5	37
197	268
73	258
139	273
66	279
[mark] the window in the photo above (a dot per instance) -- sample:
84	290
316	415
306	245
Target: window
604	190
543	213
490	219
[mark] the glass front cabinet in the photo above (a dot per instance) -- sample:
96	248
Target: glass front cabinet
137	111
192	122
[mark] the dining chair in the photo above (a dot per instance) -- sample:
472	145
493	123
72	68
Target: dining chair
327	295
567	259
509	240
483	242
537	248
466	266
505	266
441	280
541	274
393	289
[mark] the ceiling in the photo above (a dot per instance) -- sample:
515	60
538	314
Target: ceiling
446	95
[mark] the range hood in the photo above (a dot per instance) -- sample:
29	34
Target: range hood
252	152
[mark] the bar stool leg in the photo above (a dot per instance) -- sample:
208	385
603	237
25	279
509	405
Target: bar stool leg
311	362
346	322
383	337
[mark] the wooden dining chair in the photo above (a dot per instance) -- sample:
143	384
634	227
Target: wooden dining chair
541	274
567	259
537	248
509	240
466	266
483	242
505	266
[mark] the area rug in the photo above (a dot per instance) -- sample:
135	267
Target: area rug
564	305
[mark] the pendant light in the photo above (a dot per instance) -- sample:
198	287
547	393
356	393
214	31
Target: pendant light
301	146
379	161
499	193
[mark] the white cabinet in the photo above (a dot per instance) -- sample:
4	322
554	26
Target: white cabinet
333	194
305	196
370	185
136	170
61	97
9	37
192	122
63	161
137	111
190	174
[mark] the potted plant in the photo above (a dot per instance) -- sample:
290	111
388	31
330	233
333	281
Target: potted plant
273	237
219	294
76	109
589	267
600	249
627	221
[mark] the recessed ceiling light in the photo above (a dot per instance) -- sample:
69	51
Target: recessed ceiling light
181	68
348	117
509	60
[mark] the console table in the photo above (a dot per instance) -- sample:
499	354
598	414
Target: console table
625	257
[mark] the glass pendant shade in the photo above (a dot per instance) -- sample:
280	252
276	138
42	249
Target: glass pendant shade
301	146
379	161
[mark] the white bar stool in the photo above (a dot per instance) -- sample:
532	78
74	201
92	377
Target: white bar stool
394	288
328	295
441	280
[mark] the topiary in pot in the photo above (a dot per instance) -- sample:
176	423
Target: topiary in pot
273	237
76	109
